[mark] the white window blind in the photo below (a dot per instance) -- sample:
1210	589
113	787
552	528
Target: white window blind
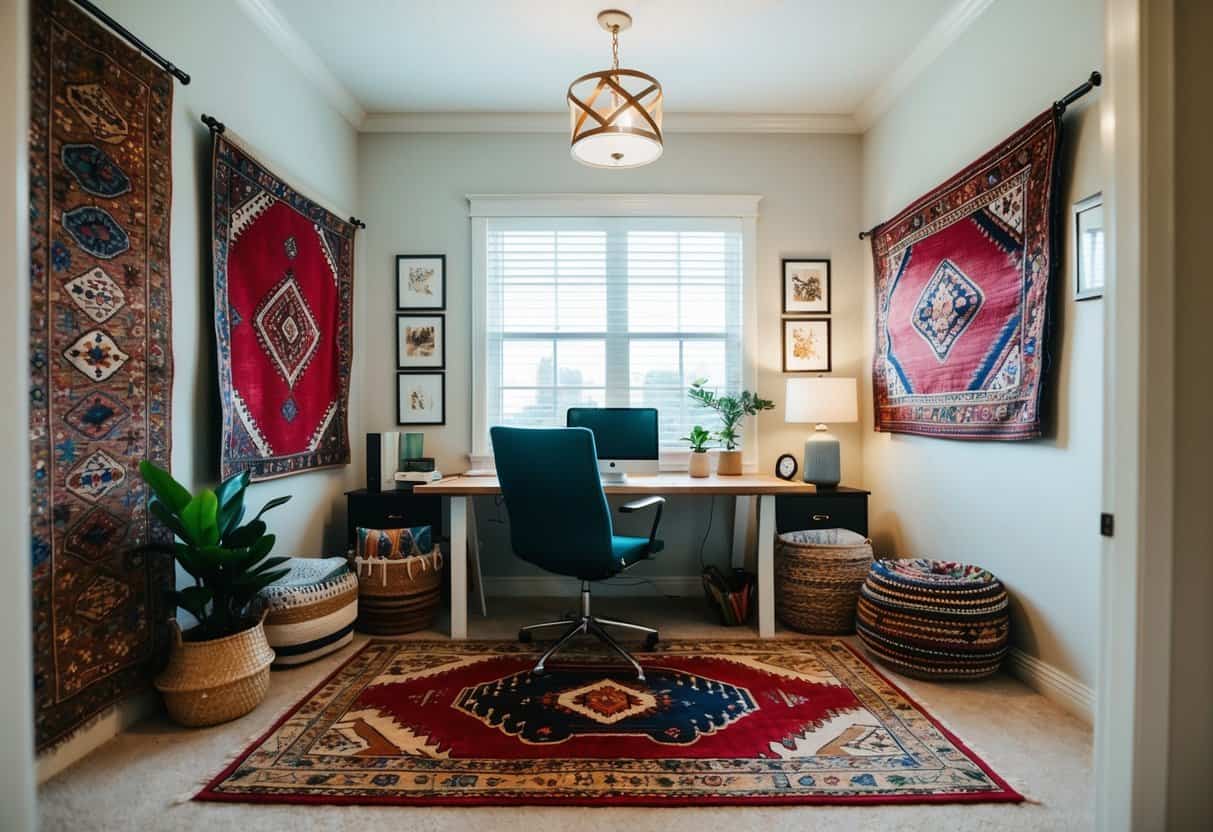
610	311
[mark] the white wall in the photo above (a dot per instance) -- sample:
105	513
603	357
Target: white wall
1028	511
240	77
16	690
412	188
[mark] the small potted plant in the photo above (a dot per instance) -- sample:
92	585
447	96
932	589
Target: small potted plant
731	410
220	669
699	465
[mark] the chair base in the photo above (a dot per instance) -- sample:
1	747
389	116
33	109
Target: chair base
590	624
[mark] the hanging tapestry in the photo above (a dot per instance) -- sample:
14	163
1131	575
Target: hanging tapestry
100	362
284	283
963	287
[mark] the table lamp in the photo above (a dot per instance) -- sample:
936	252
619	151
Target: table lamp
821	401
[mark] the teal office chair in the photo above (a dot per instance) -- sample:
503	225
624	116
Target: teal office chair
561	522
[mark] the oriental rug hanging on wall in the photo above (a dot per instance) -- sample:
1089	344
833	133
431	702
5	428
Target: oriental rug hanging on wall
284	283
964	286
100	362
716	722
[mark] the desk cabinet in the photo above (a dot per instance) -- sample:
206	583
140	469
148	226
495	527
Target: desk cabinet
391	510
829	508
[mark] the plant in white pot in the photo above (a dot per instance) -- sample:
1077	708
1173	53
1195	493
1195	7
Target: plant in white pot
220	669
731	410
698	465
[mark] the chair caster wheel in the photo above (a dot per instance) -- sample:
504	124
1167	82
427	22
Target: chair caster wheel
650	641
524	636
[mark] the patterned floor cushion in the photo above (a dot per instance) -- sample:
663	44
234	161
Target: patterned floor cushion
934	619
311	610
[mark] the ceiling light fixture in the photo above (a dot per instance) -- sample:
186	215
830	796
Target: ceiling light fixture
615	113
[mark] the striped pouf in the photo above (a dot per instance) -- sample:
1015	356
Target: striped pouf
310	610
934	619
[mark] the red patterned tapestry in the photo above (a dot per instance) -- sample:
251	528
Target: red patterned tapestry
963	297
716	722
284	283
100	362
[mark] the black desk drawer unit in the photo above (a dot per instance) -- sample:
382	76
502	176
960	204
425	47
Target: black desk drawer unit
391	510
829	508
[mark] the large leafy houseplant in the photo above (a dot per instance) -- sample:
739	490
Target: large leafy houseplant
730	409
227	558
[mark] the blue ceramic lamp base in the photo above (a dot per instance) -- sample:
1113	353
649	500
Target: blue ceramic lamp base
822	458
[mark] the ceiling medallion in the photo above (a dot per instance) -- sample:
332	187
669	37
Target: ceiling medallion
615	113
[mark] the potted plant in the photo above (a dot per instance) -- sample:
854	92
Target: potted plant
220	669
731	410
698	465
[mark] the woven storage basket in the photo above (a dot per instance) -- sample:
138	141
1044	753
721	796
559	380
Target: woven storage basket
398	595
817	579
934	619
209	682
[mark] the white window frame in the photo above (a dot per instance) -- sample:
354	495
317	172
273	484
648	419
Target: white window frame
743	207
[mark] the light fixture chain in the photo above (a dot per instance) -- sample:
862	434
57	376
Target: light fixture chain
615	47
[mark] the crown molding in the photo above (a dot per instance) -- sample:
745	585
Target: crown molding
476	122
269	20
939	37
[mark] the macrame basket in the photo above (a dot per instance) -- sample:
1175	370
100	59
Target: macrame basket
209	682
818	575
398	595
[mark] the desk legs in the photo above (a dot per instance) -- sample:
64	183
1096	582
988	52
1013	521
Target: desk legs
766	566
459	567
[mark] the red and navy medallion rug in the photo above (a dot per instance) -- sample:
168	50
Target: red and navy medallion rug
963	296
100	363
284	288
716	722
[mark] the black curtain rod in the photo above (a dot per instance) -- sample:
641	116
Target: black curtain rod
1059	107
134	40
218	126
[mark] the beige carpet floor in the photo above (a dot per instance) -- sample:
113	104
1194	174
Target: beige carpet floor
132	782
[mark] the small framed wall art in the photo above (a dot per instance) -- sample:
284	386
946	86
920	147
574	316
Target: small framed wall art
1089	248
806	287
421	398
420	342
806	345
421	282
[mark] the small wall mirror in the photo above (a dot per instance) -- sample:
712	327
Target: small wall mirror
1089	248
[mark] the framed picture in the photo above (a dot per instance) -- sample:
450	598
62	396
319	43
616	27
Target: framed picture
421	282
420	398
806	287
420	342
806	345
1089	248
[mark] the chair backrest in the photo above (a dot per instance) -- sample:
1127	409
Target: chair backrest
559	516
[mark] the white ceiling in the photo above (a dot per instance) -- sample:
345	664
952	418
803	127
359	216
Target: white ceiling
711	56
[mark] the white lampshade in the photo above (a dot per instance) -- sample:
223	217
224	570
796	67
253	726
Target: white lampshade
821	400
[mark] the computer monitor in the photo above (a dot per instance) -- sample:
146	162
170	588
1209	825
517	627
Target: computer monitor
626	438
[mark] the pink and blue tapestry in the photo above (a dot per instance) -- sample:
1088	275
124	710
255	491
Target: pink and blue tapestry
964	280
284	286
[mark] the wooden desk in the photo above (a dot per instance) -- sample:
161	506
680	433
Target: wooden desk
764	487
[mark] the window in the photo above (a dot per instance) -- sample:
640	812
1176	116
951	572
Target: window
620	311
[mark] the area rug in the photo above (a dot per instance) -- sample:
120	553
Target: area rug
716	722
284	284
100	362
964	293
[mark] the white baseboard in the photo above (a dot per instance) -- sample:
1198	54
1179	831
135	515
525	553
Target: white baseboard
96	733
1047	680
555	586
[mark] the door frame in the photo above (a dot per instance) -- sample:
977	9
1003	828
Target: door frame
1132	720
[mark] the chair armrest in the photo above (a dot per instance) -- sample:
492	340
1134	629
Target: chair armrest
643	503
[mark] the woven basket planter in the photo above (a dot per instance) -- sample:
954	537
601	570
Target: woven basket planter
398	595
209	682
934	619
817	579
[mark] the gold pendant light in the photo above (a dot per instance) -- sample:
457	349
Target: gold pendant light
615	113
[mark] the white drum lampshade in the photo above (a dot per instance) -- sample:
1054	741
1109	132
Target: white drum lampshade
821	401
